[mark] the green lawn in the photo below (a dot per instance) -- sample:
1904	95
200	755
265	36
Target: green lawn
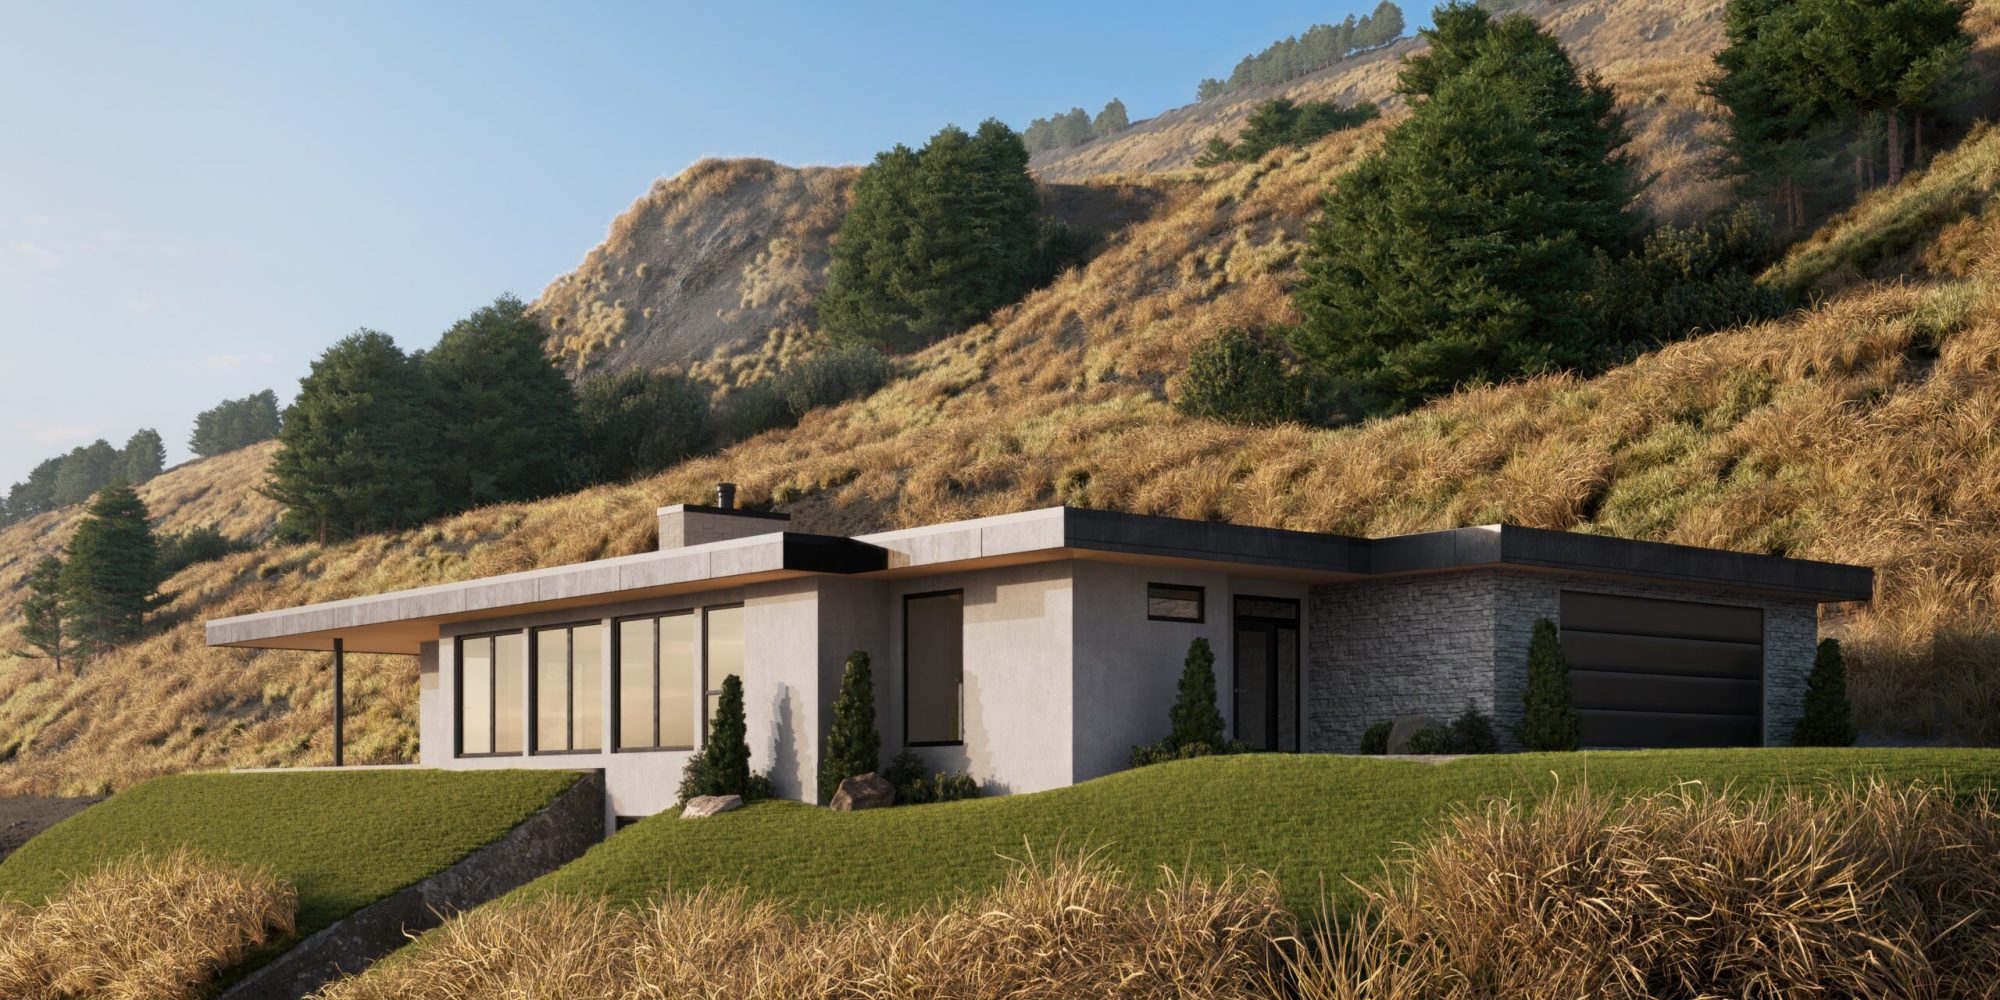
345	839
1303	818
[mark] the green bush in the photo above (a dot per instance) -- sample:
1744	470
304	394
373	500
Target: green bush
722	765
831	375
953	786
181	549
1686	280
1243	377
1470	733
1548	720
1828	720
905	775
1194	724
1375	739
636	423
853	747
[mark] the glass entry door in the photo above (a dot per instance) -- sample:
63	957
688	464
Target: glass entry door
1267	673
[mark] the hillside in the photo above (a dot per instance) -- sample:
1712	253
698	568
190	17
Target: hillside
1653	52
1861	430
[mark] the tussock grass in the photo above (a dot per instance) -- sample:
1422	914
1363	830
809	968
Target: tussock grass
1067	925
1877	889
145	927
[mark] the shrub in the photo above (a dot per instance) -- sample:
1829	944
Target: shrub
636	423
1243	377
1548	718
1069	927
905	774
1470	733
1194	724
1686	280
853	747
832	375
1827	720
1877	890
181	549
1375	739
952	786
144	926
722	765
749	411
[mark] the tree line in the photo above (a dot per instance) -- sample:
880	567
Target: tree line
1320	46
235	423
1280	122
1491	236
1075	127
73	477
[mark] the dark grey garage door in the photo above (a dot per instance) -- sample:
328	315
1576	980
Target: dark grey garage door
1651	673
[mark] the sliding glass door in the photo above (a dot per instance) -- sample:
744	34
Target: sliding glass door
1267	673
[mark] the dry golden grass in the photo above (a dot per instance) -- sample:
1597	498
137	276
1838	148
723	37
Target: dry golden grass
1067	927
141	928
1874	891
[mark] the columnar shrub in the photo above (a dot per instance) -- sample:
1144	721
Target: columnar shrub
1194	725
853	746
1827	721
1548	718
722	766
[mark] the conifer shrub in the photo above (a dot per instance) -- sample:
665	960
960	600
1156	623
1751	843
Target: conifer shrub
722	765
853	746
1548	718
1828	720
1243	377
1195	723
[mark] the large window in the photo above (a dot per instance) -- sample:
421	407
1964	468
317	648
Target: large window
724	655
492	684
656	682
569	688
933	668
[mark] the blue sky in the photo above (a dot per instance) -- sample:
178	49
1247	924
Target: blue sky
197	198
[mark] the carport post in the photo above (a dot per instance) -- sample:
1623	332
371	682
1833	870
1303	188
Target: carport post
339	690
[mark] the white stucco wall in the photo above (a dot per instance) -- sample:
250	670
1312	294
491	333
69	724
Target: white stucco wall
1017	695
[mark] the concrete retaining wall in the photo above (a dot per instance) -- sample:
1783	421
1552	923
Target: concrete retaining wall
550	839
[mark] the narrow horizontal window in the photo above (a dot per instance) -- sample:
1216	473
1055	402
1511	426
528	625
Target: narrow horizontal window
1166	602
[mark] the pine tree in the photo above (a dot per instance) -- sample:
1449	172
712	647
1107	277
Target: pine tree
1073	128
42	612
1827	719
143	457
1459	252
1548	717
110	578
356	450
1195	719
853	746
508	418
636	423
84	471
235	423
1112	120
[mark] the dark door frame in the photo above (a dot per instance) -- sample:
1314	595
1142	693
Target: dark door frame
1269	626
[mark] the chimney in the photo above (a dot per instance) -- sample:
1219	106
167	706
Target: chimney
682	525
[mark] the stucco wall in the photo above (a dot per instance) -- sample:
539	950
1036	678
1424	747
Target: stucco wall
1017	695
1428	645
1128	668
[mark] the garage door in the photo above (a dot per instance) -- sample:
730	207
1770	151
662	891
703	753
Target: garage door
1650	673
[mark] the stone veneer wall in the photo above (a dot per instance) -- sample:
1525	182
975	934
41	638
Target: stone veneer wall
1428	645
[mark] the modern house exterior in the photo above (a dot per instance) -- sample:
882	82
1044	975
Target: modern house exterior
1033	650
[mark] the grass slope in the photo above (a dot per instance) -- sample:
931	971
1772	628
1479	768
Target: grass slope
1305	819
343	839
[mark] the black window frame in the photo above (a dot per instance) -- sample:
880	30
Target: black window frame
1200	603
618	677
492	691
907	598
1297	624
534	720
708	691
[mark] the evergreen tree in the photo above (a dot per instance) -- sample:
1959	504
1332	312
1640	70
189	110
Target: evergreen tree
507	417
42	613
84	471
1548	718
1112	120
110	578
355	451
934	240
1280	122
1073	128
1459	252
1195	719
1383	25
1040	136
143	457
36	494
636	423
1890	57
1207	88
235	423
722	765
1827	720
853	746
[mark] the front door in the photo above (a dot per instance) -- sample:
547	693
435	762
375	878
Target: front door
1267	673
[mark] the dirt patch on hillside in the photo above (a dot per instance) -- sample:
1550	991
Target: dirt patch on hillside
21	818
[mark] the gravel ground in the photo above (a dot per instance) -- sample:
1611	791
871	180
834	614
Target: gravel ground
22	818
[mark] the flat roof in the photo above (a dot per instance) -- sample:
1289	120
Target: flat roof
397	622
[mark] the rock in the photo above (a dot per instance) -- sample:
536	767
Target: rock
1405	727
864	791
709	805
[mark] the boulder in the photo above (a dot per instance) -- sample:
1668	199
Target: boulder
1405	727
709	805
863	791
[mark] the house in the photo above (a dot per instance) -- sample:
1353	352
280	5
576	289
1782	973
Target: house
1033	650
